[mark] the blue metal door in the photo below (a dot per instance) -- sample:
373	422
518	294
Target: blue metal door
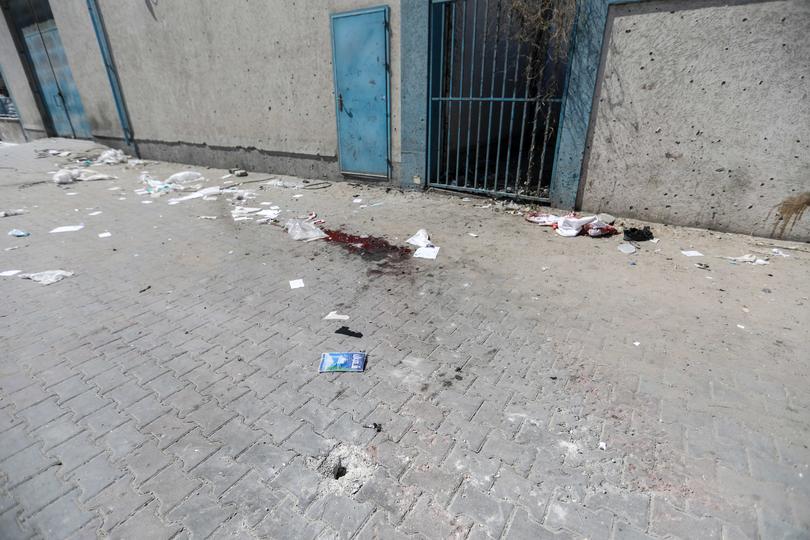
56	82
360	63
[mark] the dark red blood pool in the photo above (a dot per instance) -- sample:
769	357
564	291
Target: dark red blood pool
371	247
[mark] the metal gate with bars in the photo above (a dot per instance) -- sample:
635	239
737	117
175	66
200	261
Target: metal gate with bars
494	101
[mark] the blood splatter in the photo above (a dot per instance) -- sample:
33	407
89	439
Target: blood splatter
370	247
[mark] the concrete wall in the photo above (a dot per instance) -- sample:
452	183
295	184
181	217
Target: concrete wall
702	116
17	83
221	84
11	130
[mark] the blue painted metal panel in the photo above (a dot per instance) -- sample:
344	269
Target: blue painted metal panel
59	90
360	63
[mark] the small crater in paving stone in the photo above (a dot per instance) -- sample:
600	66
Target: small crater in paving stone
345	469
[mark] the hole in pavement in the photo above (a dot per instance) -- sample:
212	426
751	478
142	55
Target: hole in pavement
339	472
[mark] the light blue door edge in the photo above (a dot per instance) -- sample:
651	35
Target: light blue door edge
385	11
587	41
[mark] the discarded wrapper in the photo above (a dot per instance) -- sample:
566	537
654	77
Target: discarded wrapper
342	361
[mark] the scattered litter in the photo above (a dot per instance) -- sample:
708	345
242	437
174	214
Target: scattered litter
105	234
296	283
20	211
602	445
113	188
345	331
298	196
638	235
357	200
11	248
9	273
18	233
374	425
420	239
636	343
47	277
97	212
748	258
690	253
627	249
282	184
111	157
779	252
238	172
335	316
655	240
145	289
269	213
208	217
147	202
741	327
427	252
301	229
266	203
342	361
68	228
71	193
702	266
473	235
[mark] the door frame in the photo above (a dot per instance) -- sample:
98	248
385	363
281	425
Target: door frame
387	16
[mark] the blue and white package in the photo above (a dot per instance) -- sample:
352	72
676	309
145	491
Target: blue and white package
342	361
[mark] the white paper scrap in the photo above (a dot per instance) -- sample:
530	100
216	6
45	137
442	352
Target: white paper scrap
296	283
8	273
105	234
427	252
97	212
68	228
335	316
690	253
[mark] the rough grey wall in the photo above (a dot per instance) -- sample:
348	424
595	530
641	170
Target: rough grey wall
702	117
204	78
17	83
11	131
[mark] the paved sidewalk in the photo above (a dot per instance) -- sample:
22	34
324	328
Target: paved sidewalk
526	385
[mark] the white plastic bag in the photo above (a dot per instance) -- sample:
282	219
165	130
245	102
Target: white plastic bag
184	177
111	157
301	229
47	277
420	239
66	176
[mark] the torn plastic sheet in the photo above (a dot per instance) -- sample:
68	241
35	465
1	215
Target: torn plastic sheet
301	229
748	258
205	192
185	177
68	228
48	276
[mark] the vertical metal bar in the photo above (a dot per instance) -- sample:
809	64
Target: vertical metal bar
450	90
472	84
481	93
543	153
503	92
461	84
512	121
431	60
439	117
525	110
492	91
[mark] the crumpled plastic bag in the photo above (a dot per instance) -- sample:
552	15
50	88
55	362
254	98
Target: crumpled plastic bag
205	192
48	276
750	259
69	176
301	229
111	157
